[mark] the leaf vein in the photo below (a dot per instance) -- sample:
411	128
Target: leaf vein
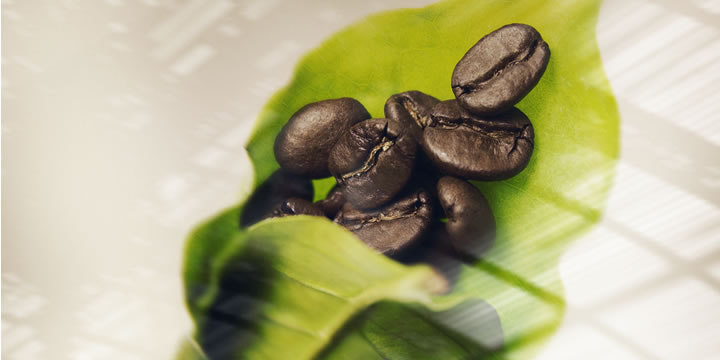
313	287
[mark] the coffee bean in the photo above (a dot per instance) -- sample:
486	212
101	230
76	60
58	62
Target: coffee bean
280	186
297	206
500	69
393	228
333	202
470	225
304	143
480	148
412	110
373	162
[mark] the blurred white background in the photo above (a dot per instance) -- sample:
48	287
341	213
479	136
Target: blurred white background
123	123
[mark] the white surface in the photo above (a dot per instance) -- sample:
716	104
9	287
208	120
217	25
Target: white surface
122	126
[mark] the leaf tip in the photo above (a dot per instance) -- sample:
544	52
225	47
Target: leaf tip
436	283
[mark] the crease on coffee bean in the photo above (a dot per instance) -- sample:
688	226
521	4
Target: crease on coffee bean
517	138
392	215
385	143
489	131
409	106
381	217
483	81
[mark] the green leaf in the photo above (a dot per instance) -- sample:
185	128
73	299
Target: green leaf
300	280
559	196
286	287
396	331
201	256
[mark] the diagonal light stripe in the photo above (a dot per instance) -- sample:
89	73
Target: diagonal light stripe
199	24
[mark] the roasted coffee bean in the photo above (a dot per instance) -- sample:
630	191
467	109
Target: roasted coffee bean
304	143
470	225
333	202
297	206
412	110
280	186
500	69
393	228
480	148
373	162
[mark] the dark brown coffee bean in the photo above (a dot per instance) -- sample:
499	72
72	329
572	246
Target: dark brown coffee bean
280	186
500	69
471	224
480	148
373	162
296	206
393	228
333	202
412	110
304	143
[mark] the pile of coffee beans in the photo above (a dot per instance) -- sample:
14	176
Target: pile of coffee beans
403	180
